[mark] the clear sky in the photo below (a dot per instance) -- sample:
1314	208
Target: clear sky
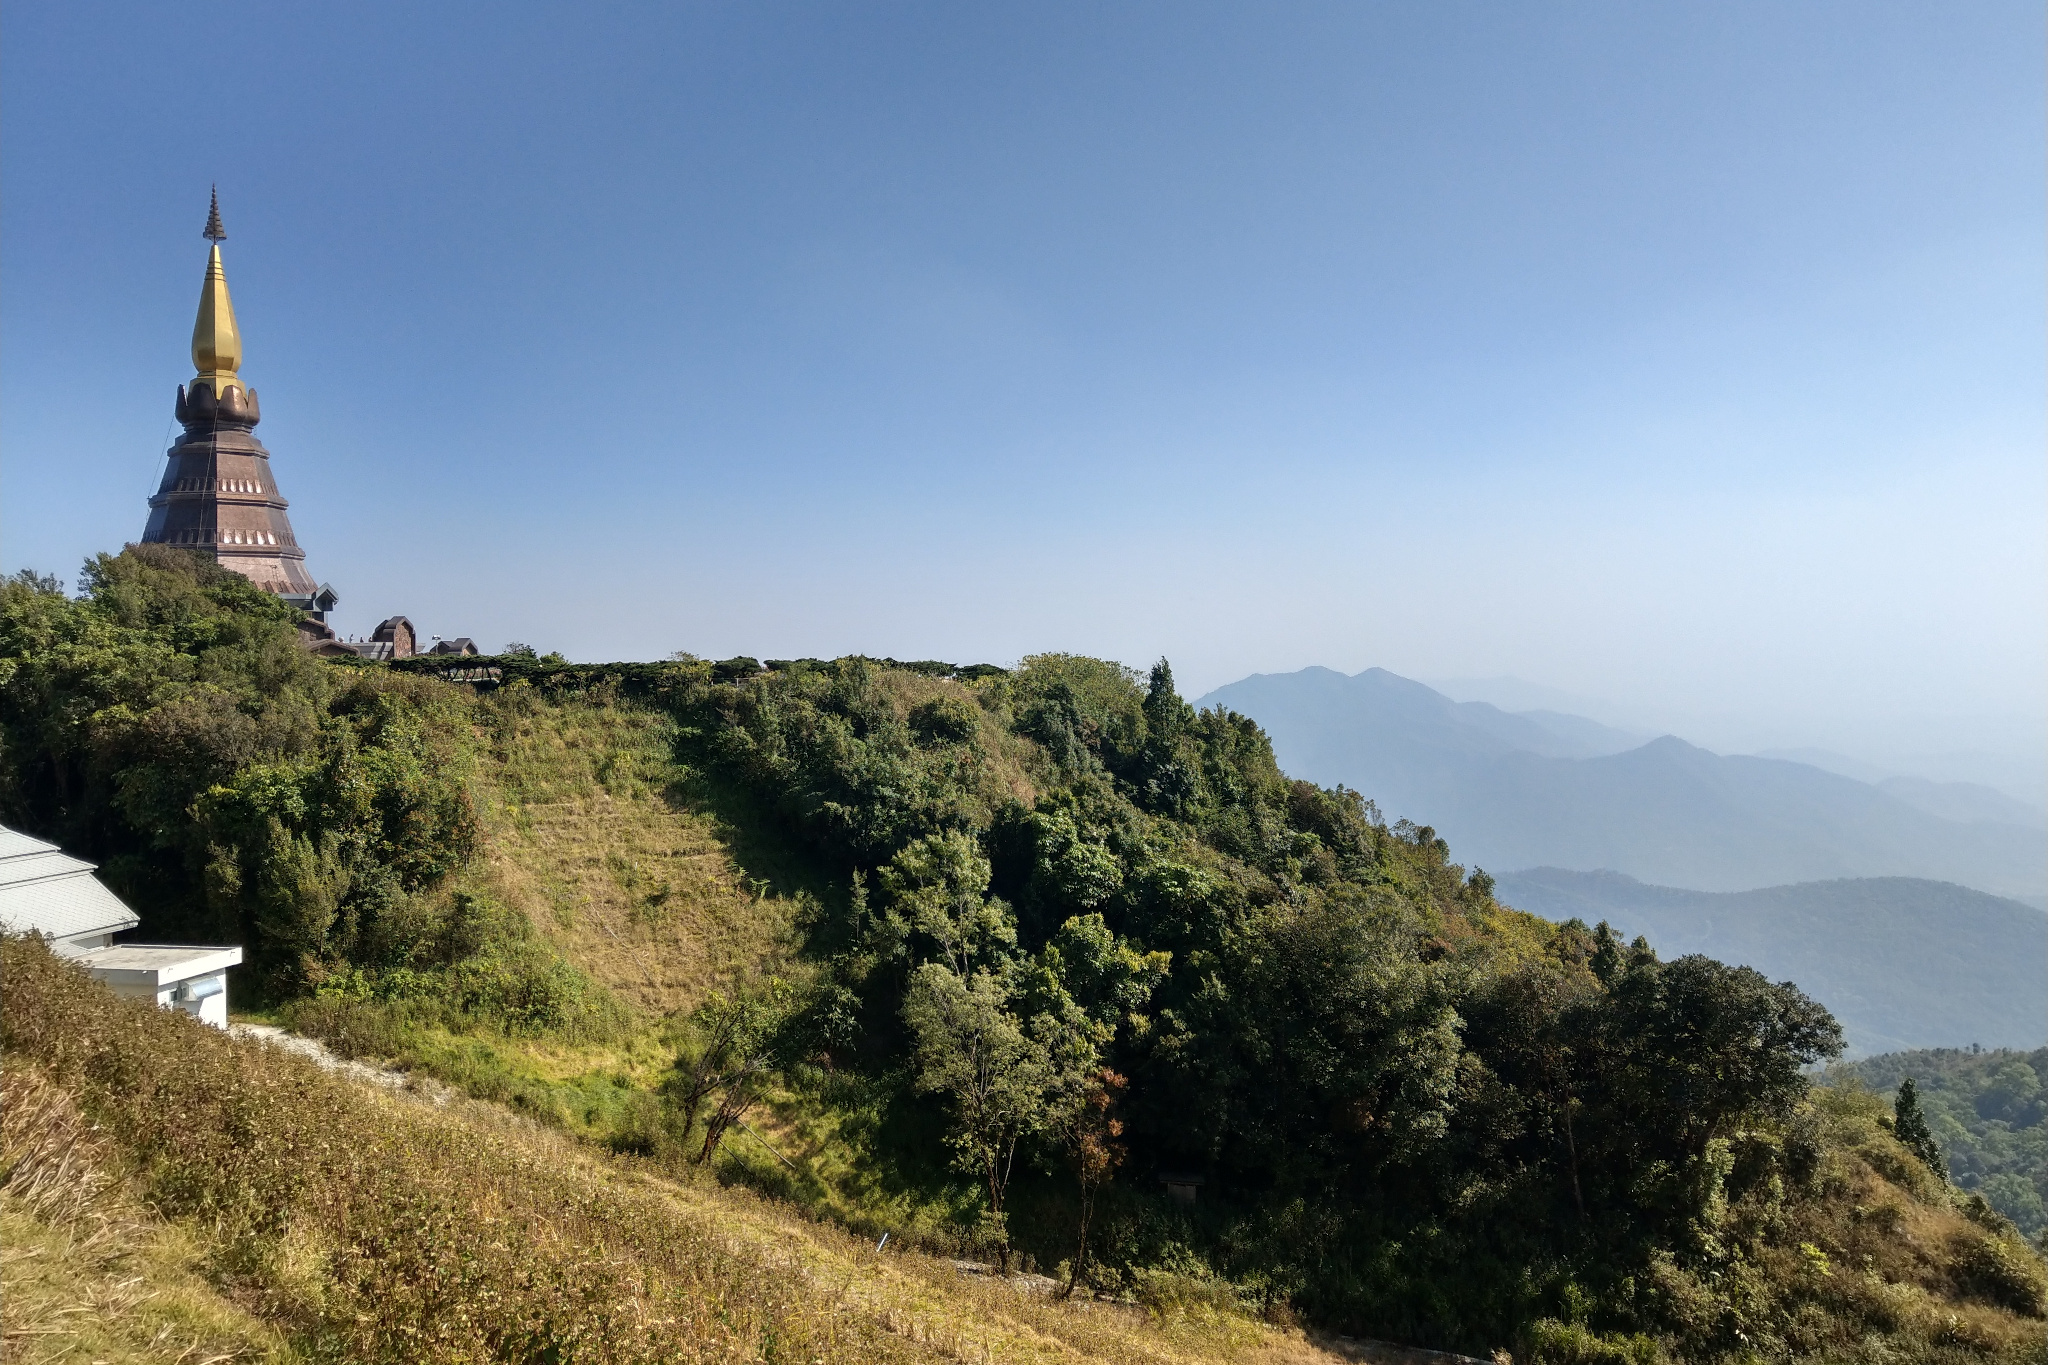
1686	355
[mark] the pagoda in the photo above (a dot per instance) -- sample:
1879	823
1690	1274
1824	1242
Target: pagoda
218	494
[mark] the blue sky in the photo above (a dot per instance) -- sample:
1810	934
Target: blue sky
1689	356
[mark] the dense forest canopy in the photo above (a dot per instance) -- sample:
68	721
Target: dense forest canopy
1095	932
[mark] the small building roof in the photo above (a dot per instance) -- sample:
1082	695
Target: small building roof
47	891
158	964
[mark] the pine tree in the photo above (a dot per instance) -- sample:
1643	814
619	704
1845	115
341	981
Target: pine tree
1910	1126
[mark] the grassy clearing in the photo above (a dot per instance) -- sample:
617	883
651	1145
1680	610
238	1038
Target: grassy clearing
593	837
331	1221
590	831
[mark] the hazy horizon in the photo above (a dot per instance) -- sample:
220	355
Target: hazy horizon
1688	360
1867	758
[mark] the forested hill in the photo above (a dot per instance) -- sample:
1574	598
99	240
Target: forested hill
1060	952
1901	962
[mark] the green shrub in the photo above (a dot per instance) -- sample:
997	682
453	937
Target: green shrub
2001	1270
945	720
1168	1293
526	988
1569	1343
350	1028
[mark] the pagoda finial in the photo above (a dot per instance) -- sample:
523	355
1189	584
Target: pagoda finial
216	341
214	231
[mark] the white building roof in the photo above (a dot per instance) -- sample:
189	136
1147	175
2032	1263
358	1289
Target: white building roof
54	894
13	841
158	964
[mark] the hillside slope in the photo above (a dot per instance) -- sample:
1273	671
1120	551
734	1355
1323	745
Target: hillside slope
1902	962
324	1220
1501	789
1989	1111
1018	959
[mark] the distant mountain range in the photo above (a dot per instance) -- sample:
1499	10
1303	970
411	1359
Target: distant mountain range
1518	789
1966	801
1903	963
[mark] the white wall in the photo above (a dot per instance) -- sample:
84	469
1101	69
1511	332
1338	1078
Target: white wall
212	1010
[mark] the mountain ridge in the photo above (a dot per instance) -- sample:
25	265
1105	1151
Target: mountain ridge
1509	792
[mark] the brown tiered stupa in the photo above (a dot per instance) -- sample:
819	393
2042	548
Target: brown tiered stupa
218	494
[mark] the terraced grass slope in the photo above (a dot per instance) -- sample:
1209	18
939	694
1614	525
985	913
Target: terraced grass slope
172	1193
592	830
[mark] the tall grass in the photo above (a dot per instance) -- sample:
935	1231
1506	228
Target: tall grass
430	1241
85	1273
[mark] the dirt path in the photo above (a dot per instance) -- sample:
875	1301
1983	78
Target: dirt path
425	1087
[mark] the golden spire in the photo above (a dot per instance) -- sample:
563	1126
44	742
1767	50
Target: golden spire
216	343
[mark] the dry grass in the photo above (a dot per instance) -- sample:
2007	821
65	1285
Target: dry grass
85	1273
928	1301
1902	1264
362	1225
584	835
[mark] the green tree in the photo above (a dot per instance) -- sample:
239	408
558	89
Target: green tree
1909	1125
742	1039
1005	1082
1106	976
938	887
1071	869
1170	782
